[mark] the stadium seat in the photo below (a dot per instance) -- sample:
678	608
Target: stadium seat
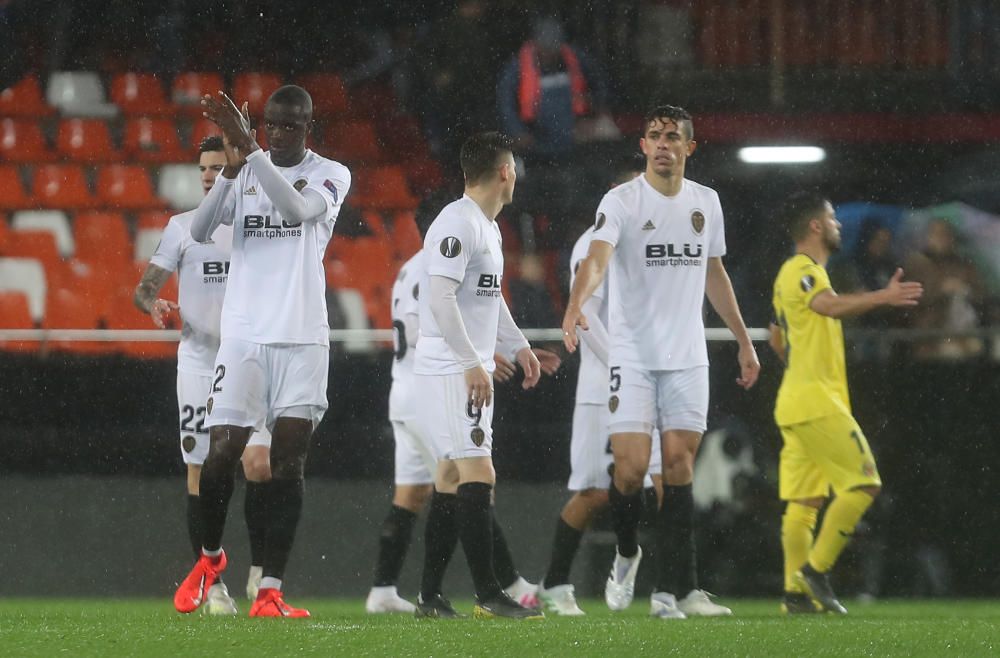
14	309
201	129
353	142
180	186
328	93
153	219
406	238
27	276
4	234
384	188
255	89
62	186
12	195
352	303
86	140
79	94
126	187
54	221
146	241
189	87
23	141
41	246
102	237
124	315
71	308
152	140
24	99
140	94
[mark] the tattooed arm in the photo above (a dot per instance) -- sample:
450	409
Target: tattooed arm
146	294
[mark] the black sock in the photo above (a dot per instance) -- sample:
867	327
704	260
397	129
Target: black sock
476	531
626	511
440	539
503	561
216	487
285	507
564	547
194	524
393	544
255	513
675	541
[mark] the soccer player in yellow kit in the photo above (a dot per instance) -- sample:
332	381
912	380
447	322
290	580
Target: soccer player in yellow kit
824	448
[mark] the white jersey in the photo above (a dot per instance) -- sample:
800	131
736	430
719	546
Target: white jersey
464	245
592	379
277	293
202	270
662	246
405	301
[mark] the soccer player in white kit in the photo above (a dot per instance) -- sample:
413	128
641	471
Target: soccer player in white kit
273	360
462	316
664	238
202	273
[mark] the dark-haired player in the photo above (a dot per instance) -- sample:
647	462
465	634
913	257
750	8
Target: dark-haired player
202	278
664	239
273	360
824	448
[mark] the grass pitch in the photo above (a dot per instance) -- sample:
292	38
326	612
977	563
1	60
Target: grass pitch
141	627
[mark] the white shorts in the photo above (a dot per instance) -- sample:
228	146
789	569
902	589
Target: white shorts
590	455
452	427
256	384
192	396
414	460
669	399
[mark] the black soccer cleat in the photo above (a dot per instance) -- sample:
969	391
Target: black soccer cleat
817	585
436	607
798	603
502	605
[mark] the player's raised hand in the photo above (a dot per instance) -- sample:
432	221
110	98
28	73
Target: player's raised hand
479	386
573	318
903	293
504	370
749	366
548	360
235	124
532	369
160	309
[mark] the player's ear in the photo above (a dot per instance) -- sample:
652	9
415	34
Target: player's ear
692	145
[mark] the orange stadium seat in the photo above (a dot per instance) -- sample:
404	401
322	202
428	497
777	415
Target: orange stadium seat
41	246
153	140
12	194
153	219
327	91
127	187
86	140
189	87
201	129
352	141
15	315
124	315
22	141
102	237
24	99
254	88
384	188
405	235
4	234
62	186
140	93
72	308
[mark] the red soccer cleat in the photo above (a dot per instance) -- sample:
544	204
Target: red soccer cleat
194	589
270	604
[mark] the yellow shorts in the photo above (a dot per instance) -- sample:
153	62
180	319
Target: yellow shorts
824	453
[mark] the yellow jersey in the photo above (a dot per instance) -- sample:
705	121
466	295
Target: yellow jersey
815	380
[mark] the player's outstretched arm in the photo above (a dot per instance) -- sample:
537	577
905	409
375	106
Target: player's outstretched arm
719	290
896	293
588	277
146	292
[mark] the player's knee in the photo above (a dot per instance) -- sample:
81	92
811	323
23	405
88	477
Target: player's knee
593	499
629	477
678	467
412	497
257	470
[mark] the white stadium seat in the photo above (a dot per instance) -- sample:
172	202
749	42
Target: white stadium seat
146	241
28	276
353	305
79	94
180	185
54	221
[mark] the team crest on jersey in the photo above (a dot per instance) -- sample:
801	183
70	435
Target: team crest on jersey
478	436
613	403
416	291
208	405
250	191
451	247
300	184
188	443
697	221
808	282
600	221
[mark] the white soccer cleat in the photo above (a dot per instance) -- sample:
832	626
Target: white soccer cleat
524	593
664	606
697	604
218	602
253	582
385	600
561	600
620	588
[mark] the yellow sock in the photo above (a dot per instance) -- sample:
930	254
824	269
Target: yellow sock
797	527
842	516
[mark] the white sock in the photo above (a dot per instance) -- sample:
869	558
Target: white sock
267	582
216	553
